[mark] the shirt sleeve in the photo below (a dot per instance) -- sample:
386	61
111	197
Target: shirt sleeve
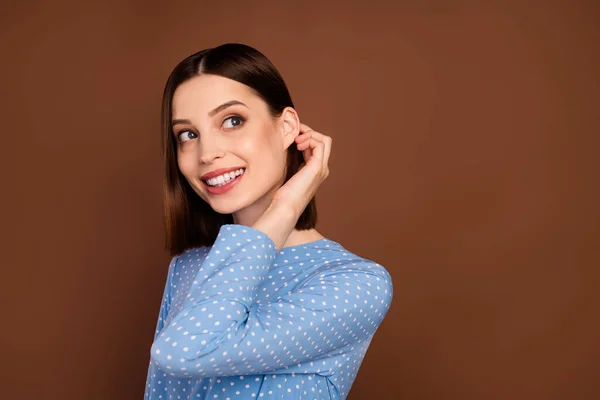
165	303
221	331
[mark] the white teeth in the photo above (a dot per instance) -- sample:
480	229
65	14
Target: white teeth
225	178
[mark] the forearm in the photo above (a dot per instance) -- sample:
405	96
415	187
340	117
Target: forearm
218	300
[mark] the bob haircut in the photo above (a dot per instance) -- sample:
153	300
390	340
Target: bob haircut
190	221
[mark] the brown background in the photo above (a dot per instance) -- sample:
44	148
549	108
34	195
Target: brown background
466	139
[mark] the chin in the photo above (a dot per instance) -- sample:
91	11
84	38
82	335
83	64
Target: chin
229	206
224	209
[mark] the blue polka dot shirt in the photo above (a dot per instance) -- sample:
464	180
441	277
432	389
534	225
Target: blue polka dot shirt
240	320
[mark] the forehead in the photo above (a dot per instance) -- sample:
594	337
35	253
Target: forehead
203	93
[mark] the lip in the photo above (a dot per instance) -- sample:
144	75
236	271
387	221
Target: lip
224	188
218	172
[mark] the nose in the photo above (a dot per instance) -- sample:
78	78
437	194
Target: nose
209	151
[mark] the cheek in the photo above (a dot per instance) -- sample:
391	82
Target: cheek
249	147
186	164
263	145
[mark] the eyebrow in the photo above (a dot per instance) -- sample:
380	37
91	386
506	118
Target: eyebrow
212	112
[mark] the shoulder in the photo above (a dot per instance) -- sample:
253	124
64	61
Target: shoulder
343	265
354	282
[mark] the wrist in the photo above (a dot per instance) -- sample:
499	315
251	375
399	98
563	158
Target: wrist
277	222
283	212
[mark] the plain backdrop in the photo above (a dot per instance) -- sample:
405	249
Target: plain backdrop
465	160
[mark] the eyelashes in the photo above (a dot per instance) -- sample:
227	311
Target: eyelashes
232	122
238	118
180	134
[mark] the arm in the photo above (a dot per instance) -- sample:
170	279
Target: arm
220	331
218	301
166	298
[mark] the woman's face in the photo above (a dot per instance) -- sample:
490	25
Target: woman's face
229	147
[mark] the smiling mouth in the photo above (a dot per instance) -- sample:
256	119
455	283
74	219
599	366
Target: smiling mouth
224	179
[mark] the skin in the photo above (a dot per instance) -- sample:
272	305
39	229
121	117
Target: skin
221	123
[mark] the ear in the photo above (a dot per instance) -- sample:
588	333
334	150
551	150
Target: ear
289	126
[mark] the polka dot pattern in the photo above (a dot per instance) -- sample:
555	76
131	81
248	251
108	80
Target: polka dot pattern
240	320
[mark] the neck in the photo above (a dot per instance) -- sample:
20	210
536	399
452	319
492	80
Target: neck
301	237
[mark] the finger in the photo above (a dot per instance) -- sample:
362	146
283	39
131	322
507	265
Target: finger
305	128
326	153
308	143
302	137
326	143
313	151
312	134
318	152
307	154
305	135
305	138
305	148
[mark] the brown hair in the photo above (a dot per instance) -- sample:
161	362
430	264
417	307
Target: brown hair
190	221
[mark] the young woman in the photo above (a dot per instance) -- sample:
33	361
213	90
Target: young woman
257	304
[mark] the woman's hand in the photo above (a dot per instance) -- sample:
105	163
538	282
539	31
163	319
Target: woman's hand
297	192
288	203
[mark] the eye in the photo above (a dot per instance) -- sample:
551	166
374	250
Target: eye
184	136
233	121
